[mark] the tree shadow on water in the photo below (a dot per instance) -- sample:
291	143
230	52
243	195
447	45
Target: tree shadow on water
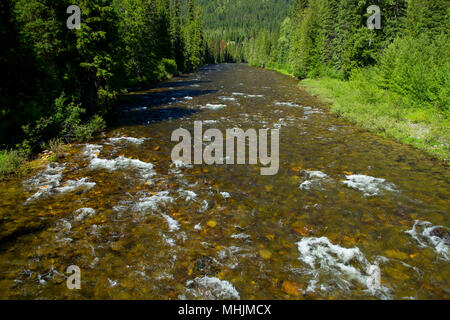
157	99
154	107
145	116
176	84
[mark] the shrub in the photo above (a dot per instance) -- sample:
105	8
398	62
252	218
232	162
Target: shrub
170	66
66	123
419	69
11	162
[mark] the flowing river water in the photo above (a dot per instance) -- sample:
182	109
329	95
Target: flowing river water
344	204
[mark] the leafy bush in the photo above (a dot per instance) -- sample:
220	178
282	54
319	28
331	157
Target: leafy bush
65	123
170	66
419	69
10	162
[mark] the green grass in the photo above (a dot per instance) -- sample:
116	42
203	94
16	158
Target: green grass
282	71
385	113
11	163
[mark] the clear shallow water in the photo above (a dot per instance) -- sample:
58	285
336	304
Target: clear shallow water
343	203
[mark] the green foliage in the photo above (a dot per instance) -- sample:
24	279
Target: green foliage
397	77
169	66
11	162
419	69
384	112
66	123
329	37
120	43
228	25
195	43
234	20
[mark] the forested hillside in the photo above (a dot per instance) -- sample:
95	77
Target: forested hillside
58	83
399	74
228	23
238	18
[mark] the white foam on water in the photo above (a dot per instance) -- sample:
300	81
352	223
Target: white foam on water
46	180
213	106
370	186
198	226
209	121
225	195
332	128
227	98
240	236
71	185
255	96
424	232
139	108
311	110
188	98
173	224
136	141
153	202
306	185
164	275
52	175
315	174
238	94
335	266
211	288
287	104
315	179
83	213
231	256
113	283
169	241
145	169
187	194
204	206
66	226
180	164
92	150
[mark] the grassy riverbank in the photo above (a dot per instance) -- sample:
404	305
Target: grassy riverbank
385	113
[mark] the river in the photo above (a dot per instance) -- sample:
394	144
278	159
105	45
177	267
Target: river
349	215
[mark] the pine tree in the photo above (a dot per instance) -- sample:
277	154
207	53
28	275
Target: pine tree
177	35
427	17
283	43
97	43
162	26
195	45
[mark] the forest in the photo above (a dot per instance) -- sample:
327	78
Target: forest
393	80
59	84
224	150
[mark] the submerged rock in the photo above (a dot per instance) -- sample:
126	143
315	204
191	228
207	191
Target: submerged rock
265	254
292	288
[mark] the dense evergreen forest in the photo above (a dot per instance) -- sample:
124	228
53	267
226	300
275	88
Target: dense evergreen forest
61	83
228	23
393	81
408	55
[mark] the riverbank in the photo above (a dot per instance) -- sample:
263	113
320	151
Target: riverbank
212	229
384	113
21	161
